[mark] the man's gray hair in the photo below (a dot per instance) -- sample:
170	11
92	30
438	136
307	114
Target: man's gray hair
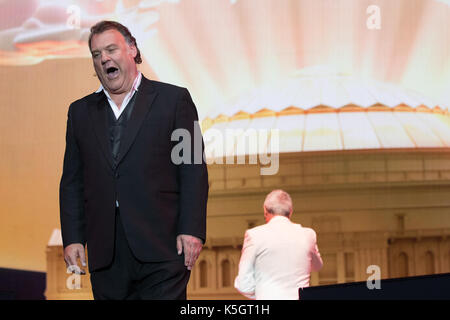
278	202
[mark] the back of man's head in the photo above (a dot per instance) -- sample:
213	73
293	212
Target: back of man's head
278	202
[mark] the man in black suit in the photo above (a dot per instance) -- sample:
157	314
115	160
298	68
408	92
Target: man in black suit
141	213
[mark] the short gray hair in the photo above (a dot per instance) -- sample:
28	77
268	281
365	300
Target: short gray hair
278	202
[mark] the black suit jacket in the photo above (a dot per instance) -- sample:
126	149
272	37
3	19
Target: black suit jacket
158	199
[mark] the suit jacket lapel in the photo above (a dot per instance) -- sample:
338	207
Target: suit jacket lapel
143	103
99	114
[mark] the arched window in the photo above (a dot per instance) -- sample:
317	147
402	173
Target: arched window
429	262
226	273
402	265
203	267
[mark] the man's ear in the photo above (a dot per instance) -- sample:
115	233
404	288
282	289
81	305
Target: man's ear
133	50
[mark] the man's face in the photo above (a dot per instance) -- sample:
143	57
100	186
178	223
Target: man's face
114	61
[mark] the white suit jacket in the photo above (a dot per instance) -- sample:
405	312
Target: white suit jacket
277	259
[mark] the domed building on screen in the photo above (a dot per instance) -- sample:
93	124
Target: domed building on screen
367	165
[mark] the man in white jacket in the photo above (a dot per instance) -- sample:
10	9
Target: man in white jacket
277	257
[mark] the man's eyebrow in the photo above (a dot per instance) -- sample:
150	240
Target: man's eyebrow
109	46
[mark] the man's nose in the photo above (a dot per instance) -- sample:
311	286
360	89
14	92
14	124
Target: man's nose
104	57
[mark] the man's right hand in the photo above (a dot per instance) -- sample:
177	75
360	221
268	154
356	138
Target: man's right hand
71	254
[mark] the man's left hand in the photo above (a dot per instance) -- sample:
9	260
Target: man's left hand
191	246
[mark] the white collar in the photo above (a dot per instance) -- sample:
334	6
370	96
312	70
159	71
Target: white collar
279	218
